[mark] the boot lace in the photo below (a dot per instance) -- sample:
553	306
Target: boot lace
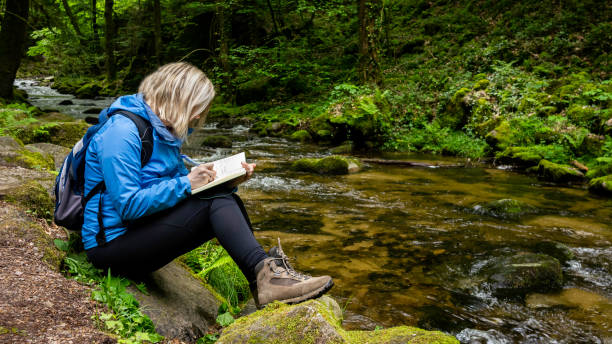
282	257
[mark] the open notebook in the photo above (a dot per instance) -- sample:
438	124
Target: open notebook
227	169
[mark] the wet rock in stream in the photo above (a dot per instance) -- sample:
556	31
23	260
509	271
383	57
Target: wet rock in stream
334	165
524	273
504	208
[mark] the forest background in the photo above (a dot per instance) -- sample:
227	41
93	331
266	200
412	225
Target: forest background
515	81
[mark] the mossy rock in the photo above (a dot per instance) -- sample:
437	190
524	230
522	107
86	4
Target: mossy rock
524	273
217	141
584	116
456	112
60	133
555	249
301	135
317	321
519	156
259	128
58	153
558	173
32	196
329	165
601	185
89	90
501	136
345	148
68	85
504	208
13	153
481	84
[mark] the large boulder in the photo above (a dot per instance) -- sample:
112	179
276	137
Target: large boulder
523	273
329	165
179	305
317	321
558	173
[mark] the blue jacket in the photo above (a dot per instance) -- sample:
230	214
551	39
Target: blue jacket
131	191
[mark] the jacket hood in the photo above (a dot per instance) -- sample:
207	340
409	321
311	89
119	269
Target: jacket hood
135	104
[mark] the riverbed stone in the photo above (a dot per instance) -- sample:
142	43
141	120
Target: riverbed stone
601	185
523	273
555	249
558	173
217	141
316	321
179	305
334	165
504	208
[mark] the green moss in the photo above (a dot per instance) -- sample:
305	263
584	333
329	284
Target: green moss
456	112
301	135
329	165
500	137
34	160
481	84
89	90
32	196
601	185
584	115
315	321
521	156
504	208
345	148
216	141
558	173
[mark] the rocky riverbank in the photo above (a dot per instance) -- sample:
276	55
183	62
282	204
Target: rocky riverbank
41	305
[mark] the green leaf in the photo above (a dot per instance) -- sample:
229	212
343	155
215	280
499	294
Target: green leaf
225	319
61	245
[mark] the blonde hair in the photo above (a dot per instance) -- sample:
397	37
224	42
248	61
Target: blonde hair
177	93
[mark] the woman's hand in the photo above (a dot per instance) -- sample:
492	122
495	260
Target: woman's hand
250	168
201	175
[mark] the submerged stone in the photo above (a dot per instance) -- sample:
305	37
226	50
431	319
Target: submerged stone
217	141
504	208
524	273
558	173
317	321
329	165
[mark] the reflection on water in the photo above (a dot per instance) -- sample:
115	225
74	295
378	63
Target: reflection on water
405	246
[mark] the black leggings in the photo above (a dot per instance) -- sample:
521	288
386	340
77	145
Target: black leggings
154	241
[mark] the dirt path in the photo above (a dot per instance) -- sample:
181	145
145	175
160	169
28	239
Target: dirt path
38	304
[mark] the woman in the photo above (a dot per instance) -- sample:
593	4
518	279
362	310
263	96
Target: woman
147	212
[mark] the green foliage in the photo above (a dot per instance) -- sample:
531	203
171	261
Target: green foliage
126	319
211	262
225	319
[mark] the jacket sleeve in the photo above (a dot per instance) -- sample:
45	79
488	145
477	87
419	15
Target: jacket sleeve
119	154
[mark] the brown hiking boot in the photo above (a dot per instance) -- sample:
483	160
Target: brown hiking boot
277	280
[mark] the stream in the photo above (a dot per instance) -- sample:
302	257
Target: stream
405	246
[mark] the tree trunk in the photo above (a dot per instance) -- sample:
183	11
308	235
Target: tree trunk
94	24
73	21
225	29
111	68
271	9
12	38
157	29
369	67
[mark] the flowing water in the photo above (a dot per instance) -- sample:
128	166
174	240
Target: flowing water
405	246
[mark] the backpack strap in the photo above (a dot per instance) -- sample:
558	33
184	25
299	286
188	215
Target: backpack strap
145	132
